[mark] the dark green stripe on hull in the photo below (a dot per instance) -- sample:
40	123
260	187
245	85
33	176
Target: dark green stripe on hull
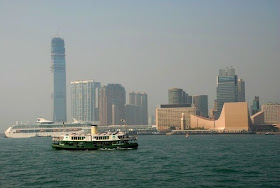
94	147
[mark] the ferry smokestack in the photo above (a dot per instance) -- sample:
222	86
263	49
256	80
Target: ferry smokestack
94	129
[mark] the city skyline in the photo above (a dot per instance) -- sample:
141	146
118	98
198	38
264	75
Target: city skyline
144	46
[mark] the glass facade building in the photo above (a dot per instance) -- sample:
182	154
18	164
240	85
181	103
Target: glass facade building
84	100
201	104
58	80
227	90
177	96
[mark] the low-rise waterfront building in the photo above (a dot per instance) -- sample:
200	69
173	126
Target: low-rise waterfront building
170	118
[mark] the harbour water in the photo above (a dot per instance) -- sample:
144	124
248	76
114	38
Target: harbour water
160	161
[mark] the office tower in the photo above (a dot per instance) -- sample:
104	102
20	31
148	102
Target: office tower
59	80
140	100
201	104
241	90
177	96
256	105
226	88
84	100
112	100
271	113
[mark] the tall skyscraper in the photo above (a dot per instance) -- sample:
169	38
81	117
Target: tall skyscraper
177	96
112	99
84	100
201	104
140	100
241	90
226	88
59	80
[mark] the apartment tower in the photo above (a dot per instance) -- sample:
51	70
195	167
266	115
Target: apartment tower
138	102
112	99
84	100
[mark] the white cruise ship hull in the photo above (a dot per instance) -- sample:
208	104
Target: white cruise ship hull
39	134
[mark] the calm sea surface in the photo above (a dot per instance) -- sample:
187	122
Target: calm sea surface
160	161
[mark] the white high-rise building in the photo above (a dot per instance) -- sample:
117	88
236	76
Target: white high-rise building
84	100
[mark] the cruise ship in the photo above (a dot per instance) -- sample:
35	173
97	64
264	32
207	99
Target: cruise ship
45	127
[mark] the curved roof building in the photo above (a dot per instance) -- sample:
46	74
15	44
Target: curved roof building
234	118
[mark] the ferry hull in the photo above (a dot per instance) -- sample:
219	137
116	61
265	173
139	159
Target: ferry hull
91	146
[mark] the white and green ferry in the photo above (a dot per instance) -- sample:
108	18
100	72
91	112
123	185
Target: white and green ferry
95	141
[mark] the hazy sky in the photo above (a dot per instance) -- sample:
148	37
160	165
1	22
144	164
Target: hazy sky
147	46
